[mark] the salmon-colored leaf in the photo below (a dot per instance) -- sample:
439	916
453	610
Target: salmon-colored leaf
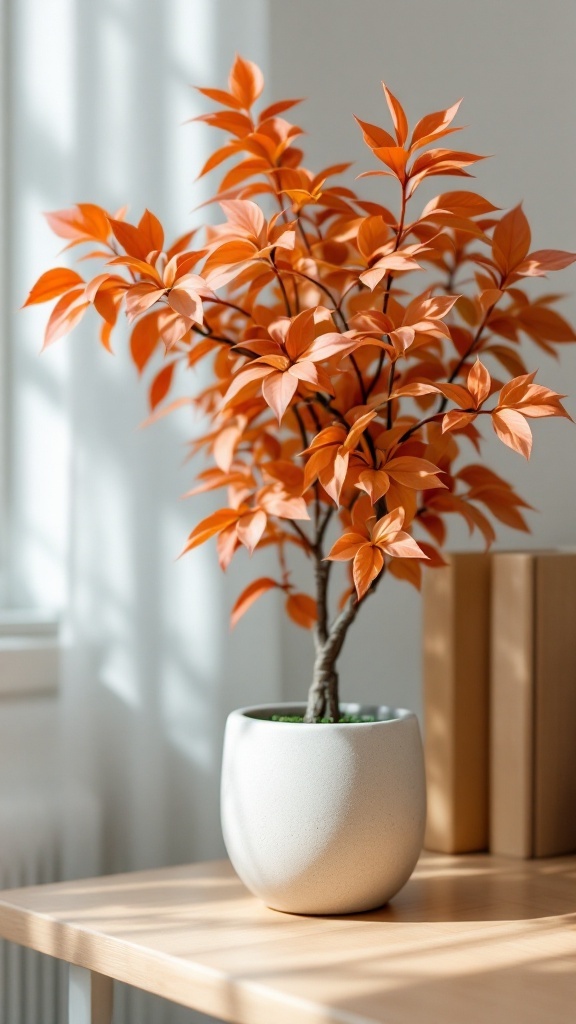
479	383
277	108
226	99
367	566
82	223
67	312
144	339
52	284
151	231
130	238
433	126
398	116
512	429
249	595
457	420
210	526
250	528
161	385
511	240
246	82
375	137
302	609
346	547
459	203
278	390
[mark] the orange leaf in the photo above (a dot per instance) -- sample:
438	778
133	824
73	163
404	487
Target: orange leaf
210	526
388	526
277	108
140	297
512	429
228	121
356	431
346	547
456	393
184	299
479	383
218	158
245	82
130	239
414	472
244	214
460	203
406	569
456	420
511	240
395	158
249	595
538	263
374	137
300	334
144	339
414	390
67	312
161	385
278	390
368	564
245	378
250	528
52	284
404	546
84	222
433	126
302	609
398	116
543	324
375	482
220	96
151	232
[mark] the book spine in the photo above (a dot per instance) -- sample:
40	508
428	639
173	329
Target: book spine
512	704
456	693
554	826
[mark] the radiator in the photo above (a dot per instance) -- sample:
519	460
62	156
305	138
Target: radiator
44	837
49	838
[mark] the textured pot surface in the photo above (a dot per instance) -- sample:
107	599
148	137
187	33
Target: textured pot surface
323	819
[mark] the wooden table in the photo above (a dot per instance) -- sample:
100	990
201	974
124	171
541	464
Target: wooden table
470	940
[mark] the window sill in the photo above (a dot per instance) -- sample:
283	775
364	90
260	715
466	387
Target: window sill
29	654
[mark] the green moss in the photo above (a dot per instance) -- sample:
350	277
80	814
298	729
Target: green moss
344	720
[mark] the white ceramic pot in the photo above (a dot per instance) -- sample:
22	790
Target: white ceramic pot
323	819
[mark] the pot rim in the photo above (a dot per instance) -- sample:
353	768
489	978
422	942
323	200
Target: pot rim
259	713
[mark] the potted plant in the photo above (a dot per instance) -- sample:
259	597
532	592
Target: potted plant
348	345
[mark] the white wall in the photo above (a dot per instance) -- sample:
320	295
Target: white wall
99	95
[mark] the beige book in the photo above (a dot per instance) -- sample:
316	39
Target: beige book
456	622
533	704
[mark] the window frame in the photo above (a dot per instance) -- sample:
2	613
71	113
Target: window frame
29	639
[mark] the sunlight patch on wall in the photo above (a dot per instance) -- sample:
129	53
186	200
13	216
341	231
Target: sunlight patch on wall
118	673
45	59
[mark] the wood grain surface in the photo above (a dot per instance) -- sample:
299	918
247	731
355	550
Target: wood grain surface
470	939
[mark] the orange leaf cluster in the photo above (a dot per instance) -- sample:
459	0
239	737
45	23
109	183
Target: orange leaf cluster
342	397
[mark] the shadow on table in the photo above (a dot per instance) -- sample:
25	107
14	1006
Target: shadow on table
480	889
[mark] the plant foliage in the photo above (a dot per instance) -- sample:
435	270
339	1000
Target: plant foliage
344	391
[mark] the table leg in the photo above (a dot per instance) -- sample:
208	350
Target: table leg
89	997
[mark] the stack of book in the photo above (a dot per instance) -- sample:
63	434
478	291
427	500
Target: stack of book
500	703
